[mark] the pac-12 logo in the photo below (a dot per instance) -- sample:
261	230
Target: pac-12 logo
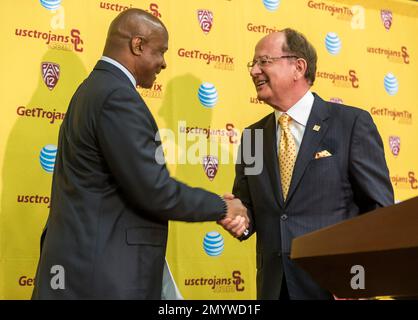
205	18
50	74
386	16
210	165
395	144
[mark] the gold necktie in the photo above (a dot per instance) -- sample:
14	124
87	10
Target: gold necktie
287	153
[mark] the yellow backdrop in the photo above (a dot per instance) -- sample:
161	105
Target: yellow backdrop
367	57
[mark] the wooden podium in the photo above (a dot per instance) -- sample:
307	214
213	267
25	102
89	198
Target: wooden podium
384	242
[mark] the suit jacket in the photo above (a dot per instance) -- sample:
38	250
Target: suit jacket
111	201
324	191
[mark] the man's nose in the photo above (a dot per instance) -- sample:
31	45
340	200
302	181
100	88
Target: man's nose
255	70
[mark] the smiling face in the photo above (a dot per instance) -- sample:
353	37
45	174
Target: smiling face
151	60
274	80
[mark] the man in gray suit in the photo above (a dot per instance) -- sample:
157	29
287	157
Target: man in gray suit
106	233
322	163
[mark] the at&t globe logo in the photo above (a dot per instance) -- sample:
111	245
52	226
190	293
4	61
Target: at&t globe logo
391	84
208	95
213	244
51	4
47	157
271	5
332	43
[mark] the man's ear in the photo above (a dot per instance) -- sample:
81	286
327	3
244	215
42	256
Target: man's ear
301	66
136	45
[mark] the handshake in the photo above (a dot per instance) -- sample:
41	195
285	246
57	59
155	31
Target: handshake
236	221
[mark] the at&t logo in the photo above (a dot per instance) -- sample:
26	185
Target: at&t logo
271	5
51	4
213	244
333	43
391	84
208	95
47	157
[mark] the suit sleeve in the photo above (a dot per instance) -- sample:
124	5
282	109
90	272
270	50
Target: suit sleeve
368	169
126	136
241	190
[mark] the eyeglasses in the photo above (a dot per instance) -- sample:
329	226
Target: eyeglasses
263	61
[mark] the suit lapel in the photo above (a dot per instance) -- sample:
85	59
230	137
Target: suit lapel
310	141
270	158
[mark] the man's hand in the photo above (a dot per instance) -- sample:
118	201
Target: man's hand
236	220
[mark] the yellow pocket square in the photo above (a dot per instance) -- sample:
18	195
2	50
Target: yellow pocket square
322	154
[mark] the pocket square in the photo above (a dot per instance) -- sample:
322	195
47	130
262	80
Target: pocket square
322	154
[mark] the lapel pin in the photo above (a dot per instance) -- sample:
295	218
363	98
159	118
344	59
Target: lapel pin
316	127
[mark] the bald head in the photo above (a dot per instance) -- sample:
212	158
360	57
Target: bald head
138	41
128	24
274	39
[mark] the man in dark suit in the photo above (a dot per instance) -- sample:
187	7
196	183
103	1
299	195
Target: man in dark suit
106	233
322	163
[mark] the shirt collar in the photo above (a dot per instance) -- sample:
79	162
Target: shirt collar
121	68
300	111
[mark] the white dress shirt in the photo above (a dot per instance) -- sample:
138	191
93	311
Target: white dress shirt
121	68
299	113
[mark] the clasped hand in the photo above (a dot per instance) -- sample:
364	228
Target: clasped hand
236	220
